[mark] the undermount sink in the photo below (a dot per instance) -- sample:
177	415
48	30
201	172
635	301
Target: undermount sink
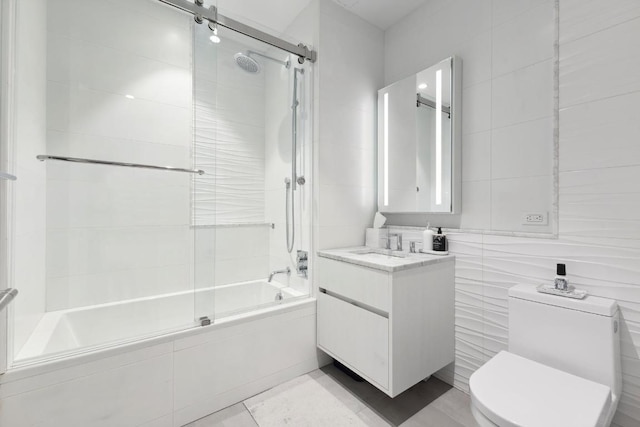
382	253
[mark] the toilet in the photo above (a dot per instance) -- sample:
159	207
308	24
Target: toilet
562	368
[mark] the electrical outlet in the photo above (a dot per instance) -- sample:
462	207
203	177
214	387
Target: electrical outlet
534	218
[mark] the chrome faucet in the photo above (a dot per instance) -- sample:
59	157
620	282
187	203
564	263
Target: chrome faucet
398	236
286	271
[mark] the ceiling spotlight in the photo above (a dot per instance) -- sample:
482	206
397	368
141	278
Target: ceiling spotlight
214	39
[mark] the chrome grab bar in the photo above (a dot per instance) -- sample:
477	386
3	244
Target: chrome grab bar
43	157
8	176
6	296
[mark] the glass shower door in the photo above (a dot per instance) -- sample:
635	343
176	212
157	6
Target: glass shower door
243	93
103	246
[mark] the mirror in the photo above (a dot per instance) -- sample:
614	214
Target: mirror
419	142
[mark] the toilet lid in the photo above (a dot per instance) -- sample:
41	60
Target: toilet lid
513	391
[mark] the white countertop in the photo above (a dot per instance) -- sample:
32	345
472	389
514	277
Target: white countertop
381	259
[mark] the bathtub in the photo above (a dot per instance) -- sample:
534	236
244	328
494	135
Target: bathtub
103	325
160	369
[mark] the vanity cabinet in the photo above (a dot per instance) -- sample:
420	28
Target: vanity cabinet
392	325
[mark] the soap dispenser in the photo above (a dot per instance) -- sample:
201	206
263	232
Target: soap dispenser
440	241
427	239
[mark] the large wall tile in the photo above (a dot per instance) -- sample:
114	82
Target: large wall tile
579	19
600	201
476	108
526	39
476	199
523	95
476	156
522	150
600	134
598	65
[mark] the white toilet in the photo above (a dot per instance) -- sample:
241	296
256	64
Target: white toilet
562	368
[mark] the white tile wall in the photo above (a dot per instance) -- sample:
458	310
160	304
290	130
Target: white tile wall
349	74
507	52
599	232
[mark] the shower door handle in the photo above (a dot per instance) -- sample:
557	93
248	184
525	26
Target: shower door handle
6	296
7	176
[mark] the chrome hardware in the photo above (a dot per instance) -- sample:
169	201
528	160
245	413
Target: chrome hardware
286	271
412	246
398	237
6	296
43	157
211	15
301	180
561	284
7	176
302	263
204	321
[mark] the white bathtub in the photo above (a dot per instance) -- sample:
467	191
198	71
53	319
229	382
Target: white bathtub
165	379
99	326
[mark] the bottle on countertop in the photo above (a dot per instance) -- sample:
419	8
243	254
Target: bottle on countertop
561	283
427	239
440	243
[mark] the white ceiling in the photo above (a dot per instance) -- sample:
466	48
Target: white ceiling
278	14
381	13
264	14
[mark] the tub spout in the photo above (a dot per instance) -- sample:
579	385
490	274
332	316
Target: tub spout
286	271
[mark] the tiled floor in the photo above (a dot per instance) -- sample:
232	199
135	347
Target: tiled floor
329	397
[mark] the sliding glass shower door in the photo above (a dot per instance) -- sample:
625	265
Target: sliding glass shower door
155	167
244	98
103	240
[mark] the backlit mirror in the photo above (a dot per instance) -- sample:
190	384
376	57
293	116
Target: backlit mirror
419	142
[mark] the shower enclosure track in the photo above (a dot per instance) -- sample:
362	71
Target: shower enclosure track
211	14
43	157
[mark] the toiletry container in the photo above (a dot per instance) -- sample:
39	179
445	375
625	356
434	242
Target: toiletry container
440	243
427	239
561	281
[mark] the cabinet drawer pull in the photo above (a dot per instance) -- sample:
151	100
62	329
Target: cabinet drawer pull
356	303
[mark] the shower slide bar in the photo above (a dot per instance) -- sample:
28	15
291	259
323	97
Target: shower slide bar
42	158
211	14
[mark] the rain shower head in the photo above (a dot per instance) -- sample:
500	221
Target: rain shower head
247	63
250	65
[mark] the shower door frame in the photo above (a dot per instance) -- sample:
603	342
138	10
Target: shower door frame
7	60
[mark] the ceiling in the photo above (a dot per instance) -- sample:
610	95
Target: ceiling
263	14
381	13
278	14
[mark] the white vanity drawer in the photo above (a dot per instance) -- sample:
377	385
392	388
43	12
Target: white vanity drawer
365	285
356	337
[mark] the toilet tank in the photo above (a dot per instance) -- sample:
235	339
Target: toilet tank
581	337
